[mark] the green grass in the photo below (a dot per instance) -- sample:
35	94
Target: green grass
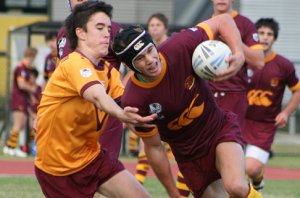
28	187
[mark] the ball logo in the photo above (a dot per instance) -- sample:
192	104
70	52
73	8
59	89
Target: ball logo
138	45
86	72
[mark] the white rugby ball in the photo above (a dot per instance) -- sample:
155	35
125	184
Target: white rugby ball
209	58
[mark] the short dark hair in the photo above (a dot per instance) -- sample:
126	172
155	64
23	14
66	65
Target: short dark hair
270	23
35	72
50	35
80	16
161	17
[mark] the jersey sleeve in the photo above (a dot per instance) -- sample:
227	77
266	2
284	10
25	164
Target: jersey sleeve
292	80
146	132
250	36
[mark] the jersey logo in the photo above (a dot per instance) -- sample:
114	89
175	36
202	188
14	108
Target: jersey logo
259	98
139	45
62	42
189	82
156	108
187	116
86	72
274	82
255	37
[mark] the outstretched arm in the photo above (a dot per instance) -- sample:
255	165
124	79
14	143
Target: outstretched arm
97	95
160	164
282	118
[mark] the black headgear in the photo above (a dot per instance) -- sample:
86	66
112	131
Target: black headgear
129	43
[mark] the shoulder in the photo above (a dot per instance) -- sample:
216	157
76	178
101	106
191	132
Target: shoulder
243	19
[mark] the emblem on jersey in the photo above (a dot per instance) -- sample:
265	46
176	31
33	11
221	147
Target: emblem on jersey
255	37
259	98
138	45
274	82
62	42
86	72
156	108
189	82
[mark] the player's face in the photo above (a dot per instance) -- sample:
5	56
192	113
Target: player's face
266	37
52	44
222	6
157	29
97	35
148	62
75	2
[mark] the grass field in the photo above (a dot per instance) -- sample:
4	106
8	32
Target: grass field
27	187
286	156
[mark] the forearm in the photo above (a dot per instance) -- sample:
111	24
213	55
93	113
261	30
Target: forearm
254	57
293	103
97	95
161	166
226	28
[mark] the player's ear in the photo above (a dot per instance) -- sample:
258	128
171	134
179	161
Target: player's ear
80	33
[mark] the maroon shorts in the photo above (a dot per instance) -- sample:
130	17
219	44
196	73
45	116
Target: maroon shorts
235	102
200	173
111	138
19	105
260	134
83	183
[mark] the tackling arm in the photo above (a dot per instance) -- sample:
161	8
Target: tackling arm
97	95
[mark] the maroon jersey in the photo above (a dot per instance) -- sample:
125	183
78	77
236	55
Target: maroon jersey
35	99
50	65
20	98
249	36
64	50
267	86
188	118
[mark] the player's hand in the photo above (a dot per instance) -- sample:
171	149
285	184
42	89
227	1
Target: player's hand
131	117
236	62
281	120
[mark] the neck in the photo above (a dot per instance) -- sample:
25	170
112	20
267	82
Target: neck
26	62
268	52
217	12
163	38
90	54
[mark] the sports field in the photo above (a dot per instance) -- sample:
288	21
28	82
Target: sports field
282	176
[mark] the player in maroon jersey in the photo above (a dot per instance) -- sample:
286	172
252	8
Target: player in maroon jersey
264	114
51	58
112	137
206	141
232	94
20	102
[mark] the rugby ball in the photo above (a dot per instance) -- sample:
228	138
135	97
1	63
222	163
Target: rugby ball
209	58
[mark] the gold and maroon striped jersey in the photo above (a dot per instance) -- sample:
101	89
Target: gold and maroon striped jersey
68	126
